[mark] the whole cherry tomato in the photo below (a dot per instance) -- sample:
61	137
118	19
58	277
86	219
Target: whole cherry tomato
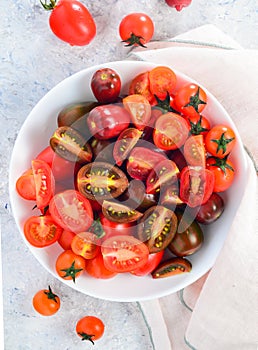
223	170
95	267
106	85
71	21
46	302
69	265
178	4
152	263
90	328
220	141
136	29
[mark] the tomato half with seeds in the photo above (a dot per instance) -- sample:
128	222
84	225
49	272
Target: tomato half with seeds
153	261
90	328
157	228
190	100
196	185
108	121
194	151
124	253
69	265
41	231
188	238
85	244
70	145
139	108
125	143
71	210
223	171
141	161
162	81
45	302
163	173
220	141
118	212
172	267
106	85
101	180
95	267
170	196
25	185
141	85
171	131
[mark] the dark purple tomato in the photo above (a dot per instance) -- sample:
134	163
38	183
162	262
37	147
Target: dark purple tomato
211	210
106	85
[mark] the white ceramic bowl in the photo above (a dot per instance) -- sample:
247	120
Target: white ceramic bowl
34	136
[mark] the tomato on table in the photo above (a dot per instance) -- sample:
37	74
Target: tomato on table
171	131
41	231
152	263
90	328
196	185
139	108
71	21
125	143
45	302
220	141
95	267
85	244
224	173
190	100
141	85
194	151
124	253
136	29
162	81
69	265
106	85
25	185
71	210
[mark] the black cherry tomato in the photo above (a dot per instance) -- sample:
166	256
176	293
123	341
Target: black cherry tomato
74	113
157	228
125	143
170	196
106	85
210	211
172	267
118	212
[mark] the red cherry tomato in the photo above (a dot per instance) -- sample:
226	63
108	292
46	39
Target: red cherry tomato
136	29
162	81
113	229
25	185
141	85
96	268
199	125
65	239
152	263
220	141
41	231
71	21
223	170
90	328
190	100
106	85
196	185
139	108
194	151
171	131
124	253
71	210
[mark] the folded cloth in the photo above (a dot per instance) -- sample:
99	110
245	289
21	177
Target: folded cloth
220	310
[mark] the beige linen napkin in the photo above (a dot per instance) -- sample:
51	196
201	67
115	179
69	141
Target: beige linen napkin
220	310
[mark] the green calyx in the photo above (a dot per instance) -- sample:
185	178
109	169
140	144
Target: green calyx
222	164
71	271
48	6
195	101
164	105
50	295
222	143
196	128
86	336
134	40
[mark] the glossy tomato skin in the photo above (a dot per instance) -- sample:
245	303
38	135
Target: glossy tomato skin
188	238
199	125
190	100
113	229
210	211
220	141
70	266
162	81
90	328
71	210
95	267
136	29
196	185
171	131
106	85
71	22
41	231
223	171
153	261
45	302
108	121
65	239
124	253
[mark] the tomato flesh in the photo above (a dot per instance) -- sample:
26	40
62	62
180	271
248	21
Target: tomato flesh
139	108
85	244
194	151
25	185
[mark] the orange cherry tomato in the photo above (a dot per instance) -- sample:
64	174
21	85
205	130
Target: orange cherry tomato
220	141
223	171
85	244
69	265
90	328
46	302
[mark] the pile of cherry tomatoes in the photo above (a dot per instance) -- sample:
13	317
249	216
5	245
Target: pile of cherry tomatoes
127	178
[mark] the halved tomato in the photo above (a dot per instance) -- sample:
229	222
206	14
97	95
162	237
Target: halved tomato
139	108
113	229
41	231
141	85
85	244
118	212
162	81
172	267
95	267
171	131
194	151
71	210
124	253
125	143
25	185
153	261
